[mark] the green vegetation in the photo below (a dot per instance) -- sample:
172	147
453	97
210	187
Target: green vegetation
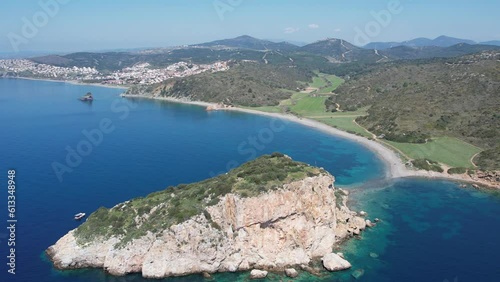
326	83
267	109
346	124
313	104
309	106
448	150
318	55
318	82
427	164
412	101
244	84
160	210
488	159
334	83
457	170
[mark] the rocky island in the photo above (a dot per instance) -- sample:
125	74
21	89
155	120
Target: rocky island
270	214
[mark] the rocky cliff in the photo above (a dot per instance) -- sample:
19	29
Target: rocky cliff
278	227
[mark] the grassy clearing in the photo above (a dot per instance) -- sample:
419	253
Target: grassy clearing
447	150
346	124
333	81
326	83
310	106
318	82
353	114
267	109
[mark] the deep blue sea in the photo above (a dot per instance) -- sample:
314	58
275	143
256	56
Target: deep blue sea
72	157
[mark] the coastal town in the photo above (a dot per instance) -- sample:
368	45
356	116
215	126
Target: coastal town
141	73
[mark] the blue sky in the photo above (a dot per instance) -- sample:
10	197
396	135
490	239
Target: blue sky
96	25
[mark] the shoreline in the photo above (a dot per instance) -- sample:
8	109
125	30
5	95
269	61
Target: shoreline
72	82
395	168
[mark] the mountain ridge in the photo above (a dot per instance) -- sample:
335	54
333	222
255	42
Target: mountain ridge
440	41
249	42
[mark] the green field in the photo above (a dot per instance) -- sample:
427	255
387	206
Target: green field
309	106
267	109
318	82
447	150
353	114
333	81
346	124
326	83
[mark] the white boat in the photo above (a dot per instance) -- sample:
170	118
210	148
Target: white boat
79	215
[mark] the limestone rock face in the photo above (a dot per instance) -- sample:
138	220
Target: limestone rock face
333	262
286	227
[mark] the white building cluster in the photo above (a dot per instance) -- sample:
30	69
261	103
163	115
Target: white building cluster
26	67
142	73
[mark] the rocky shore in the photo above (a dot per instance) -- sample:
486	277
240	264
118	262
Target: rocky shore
282	230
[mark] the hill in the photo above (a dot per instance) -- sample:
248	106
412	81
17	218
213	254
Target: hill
412	53
248	42
340	51
441	41
318	55
244	84
112	61
410	101
492	42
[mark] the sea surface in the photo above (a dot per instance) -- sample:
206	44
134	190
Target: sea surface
71	156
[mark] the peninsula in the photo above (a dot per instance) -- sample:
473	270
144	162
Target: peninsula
270	214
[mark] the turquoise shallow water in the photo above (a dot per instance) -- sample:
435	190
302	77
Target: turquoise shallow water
155	144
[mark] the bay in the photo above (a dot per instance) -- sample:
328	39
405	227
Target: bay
149	145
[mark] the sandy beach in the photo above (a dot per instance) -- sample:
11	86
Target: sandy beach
395	168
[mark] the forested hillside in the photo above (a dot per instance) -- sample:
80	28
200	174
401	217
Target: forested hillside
413	100
244	84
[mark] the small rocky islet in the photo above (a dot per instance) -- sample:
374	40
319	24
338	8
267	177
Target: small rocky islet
270	214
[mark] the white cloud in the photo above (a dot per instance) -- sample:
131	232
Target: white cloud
289	30
313	26
338	30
